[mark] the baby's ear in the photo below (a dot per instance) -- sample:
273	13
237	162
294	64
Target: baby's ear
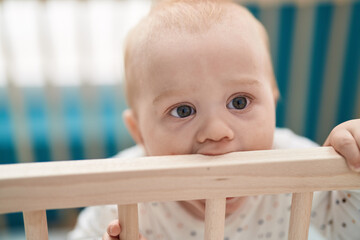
132	125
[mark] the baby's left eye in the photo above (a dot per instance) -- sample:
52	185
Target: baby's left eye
239	102
182	111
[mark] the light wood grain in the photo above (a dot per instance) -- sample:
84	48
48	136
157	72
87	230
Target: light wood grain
215	219
36	225
128	219
300	216
56	185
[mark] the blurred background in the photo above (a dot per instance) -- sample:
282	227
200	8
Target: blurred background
61	77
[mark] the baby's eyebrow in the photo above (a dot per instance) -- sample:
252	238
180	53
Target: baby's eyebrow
243	81
182	92
169	93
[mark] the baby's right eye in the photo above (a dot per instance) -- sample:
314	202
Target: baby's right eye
182	111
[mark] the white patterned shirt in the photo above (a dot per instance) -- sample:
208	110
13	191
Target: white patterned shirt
336	214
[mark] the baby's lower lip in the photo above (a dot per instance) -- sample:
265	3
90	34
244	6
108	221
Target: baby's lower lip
227	199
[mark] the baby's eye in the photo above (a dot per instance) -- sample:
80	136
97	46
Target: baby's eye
182	111
239	102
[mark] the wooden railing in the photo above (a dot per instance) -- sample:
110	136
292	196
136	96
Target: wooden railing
34	187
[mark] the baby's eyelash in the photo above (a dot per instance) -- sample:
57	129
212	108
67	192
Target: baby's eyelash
182	111
238	102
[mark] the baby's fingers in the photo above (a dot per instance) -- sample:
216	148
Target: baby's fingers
346	142
113	231
107	237
141	237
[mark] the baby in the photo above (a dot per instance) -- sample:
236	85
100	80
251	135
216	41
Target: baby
199	80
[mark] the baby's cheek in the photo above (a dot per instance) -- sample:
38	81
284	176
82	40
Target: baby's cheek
263	137
160	145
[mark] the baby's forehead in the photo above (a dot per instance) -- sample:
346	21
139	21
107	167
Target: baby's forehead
219	38
233	20
154	36
238	32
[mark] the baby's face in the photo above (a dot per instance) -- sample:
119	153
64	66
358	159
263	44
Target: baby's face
207	94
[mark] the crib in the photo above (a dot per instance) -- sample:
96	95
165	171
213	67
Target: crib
315	51
30	187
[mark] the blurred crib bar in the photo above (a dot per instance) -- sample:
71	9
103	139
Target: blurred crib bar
34	187
61	73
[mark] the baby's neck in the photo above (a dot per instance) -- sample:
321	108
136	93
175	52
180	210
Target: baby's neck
196	208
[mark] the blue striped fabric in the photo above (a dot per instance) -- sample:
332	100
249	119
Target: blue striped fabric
316	57
7	144
73	119
37	119
351	68
108	115
323	20
282	70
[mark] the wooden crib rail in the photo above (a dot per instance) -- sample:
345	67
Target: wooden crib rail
34	187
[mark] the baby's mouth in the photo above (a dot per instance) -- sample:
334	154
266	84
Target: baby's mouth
230	200
214	153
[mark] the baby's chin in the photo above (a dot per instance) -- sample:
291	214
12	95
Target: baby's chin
232	204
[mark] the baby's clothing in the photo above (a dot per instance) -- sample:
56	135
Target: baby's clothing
335	214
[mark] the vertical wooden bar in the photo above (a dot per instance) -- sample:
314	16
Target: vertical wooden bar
300	216
128	218
215	219
36	225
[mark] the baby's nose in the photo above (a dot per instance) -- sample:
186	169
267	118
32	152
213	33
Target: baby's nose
215	129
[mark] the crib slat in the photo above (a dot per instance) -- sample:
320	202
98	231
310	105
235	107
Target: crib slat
36	225
215	219
128	218
300	216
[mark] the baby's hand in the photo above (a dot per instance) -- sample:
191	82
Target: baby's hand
113	231
345	139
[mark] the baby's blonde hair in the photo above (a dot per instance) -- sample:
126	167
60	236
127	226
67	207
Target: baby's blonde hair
174	16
